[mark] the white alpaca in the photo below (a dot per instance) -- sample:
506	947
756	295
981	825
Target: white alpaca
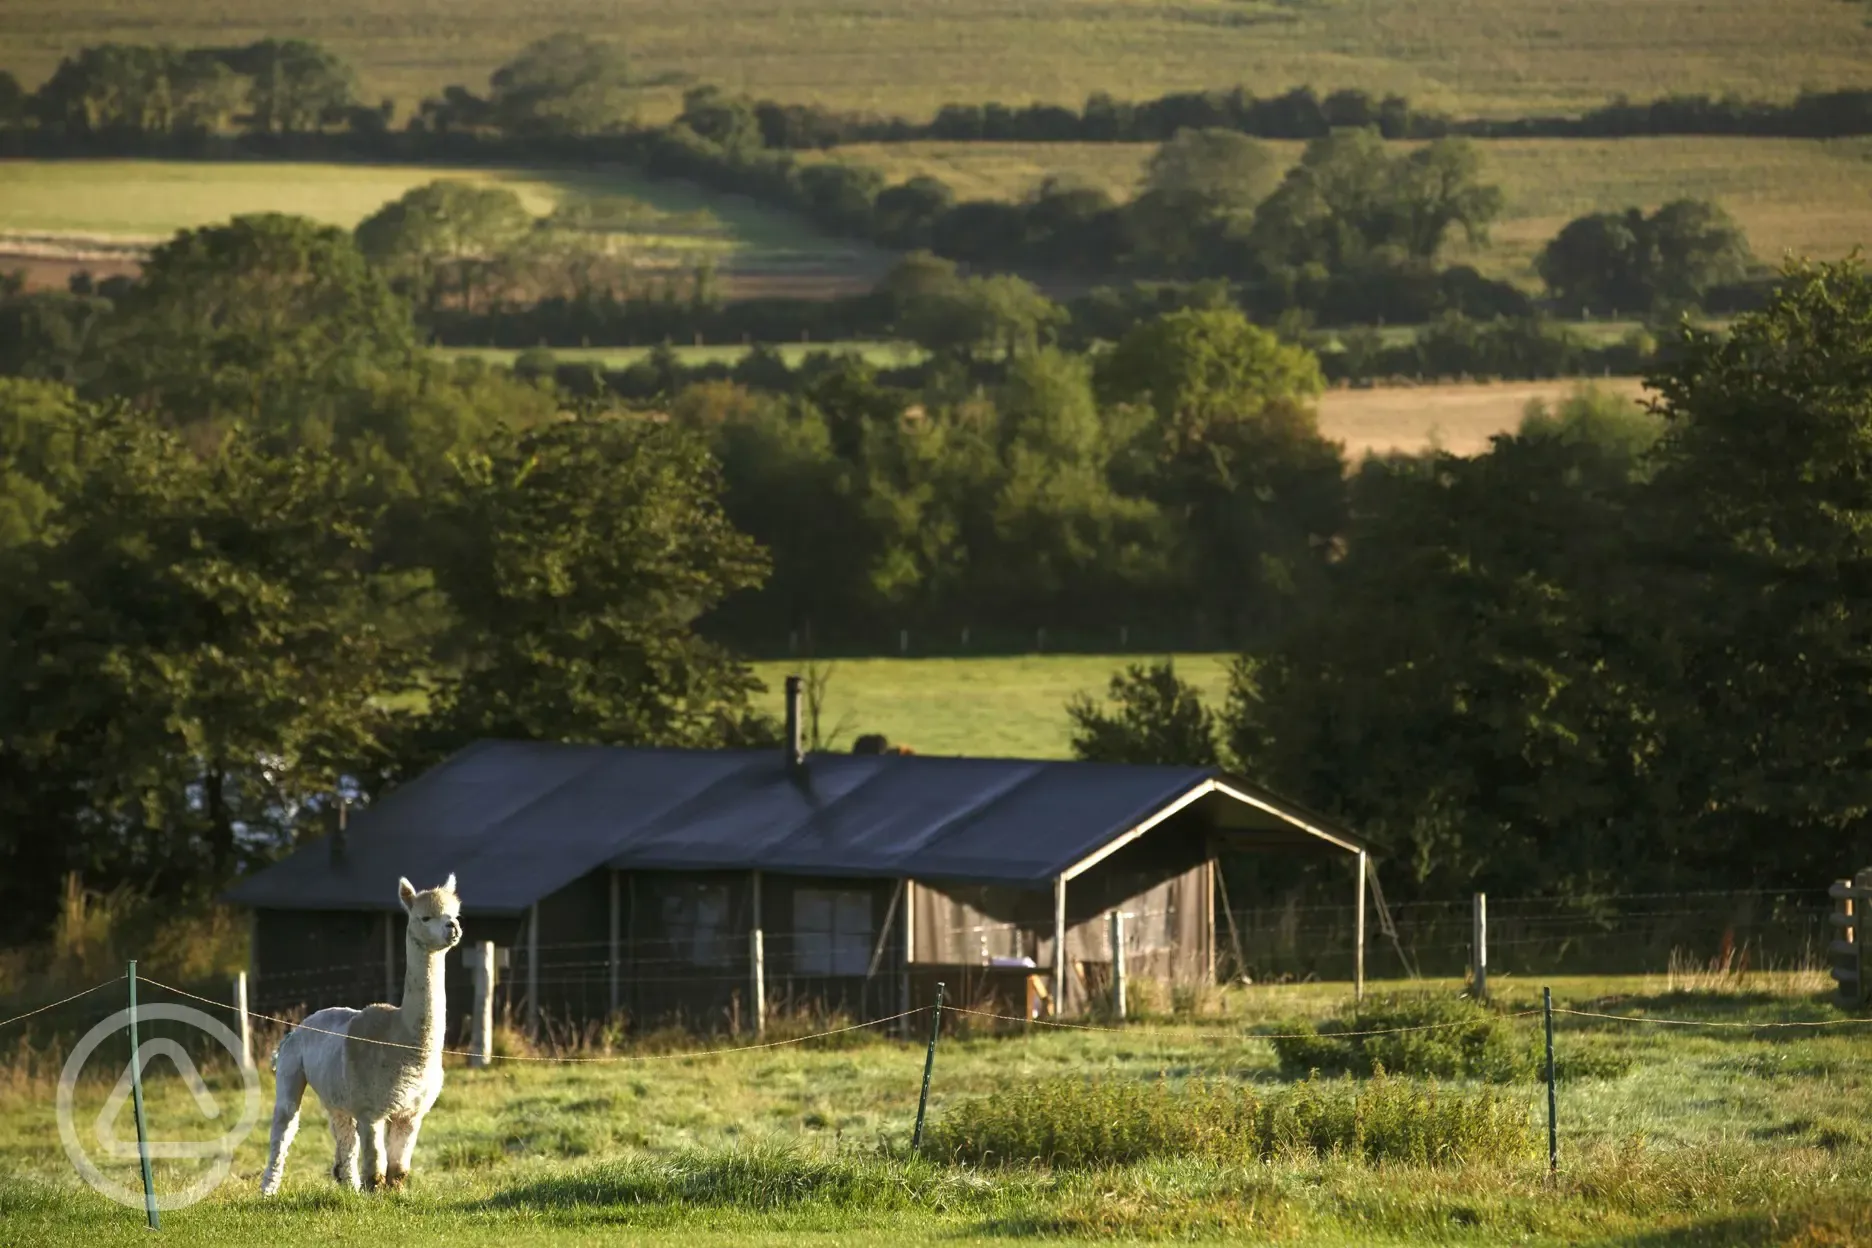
376	1070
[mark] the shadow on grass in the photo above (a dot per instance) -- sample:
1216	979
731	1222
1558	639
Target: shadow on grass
1837	1227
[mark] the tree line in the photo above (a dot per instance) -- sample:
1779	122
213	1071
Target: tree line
1613	653
264	547
575	84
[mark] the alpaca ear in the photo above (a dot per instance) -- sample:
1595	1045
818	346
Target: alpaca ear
406	892
448	885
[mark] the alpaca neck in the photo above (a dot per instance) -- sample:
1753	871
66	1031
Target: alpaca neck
423	1013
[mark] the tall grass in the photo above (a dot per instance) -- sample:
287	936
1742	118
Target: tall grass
1072	1123
1430	1037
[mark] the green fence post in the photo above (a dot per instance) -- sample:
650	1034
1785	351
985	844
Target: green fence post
1553	1129
136	1092
929	1061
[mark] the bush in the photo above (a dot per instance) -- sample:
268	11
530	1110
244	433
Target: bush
1069	1123
1468	1041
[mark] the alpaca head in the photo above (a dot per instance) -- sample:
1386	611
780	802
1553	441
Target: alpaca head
434	914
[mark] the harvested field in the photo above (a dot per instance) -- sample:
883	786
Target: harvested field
1468	56
1457	418
96	213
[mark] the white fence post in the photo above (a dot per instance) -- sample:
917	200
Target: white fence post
1479	946
1118	964
481	1023
1847	949
246	1024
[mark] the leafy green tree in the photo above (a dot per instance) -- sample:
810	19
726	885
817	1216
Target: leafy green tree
294	86
565	84
1350	204
577	558
1199	186
1150	716
727	121
13	101
996	317
40	456
1766	471
1469	684
191	654
1641	263
445	237
270	320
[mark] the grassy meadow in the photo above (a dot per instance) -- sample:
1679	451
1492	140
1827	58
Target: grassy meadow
1013	707
1806	197
1466	56
68	205
1674	1137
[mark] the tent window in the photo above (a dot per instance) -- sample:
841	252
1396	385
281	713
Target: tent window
832	931
695	922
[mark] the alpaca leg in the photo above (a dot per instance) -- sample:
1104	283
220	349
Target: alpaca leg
344	1149
371	1153
400	1138
288	1088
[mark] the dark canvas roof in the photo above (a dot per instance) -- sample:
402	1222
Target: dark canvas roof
516	821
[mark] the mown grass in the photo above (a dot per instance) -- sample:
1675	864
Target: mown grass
1727	1137
1006	707
1472	56
1805	197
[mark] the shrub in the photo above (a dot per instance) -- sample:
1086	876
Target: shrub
1069	1123
1461	1039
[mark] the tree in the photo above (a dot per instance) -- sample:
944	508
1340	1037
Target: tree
577	558
13	101
998	316
1766	470
1199	185
1350	204
445	235
294	86
727	121
1202	369
564	84
190	656
270	320
1233	450
1653	263
1155	718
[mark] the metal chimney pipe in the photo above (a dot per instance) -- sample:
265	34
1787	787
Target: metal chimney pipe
795	747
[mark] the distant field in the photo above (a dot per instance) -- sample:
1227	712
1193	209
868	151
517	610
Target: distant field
1457	418
1809	198
989	707
881	354
1469	56
54	208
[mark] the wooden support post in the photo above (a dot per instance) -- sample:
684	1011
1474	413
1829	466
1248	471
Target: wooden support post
244	1024
909	950
1118	964
757	962
614	962
481	1022
757	974
1358	933
1847	949
533	972
1059	946
1209	919
1478	965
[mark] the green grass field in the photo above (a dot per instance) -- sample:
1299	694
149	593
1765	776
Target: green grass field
1808	198
142	201
1720	1136
987	707
1469	56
